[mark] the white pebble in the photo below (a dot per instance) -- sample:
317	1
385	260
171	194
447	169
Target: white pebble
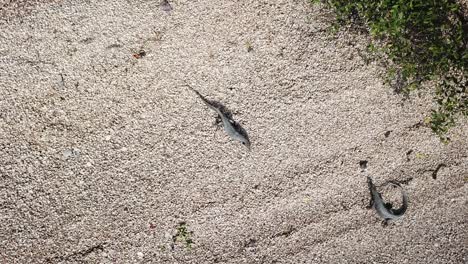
140	255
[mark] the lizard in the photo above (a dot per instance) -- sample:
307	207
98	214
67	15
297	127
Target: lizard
383	209
230	126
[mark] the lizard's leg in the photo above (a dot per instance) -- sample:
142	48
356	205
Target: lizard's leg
371	203
218	122
388	205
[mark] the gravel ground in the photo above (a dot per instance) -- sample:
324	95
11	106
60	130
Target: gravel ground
107	158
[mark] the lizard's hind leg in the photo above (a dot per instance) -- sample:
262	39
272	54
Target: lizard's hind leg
218	122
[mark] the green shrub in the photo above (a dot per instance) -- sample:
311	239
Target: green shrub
423	40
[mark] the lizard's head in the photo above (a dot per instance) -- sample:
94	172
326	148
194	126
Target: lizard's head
245	142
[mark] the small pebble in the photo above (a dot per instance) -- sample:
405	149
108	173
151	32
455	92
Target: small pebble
363	165
140	255
165	6
70	153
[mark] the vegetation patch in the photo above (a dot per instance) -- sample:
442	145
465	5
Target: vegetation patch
183	235
421	42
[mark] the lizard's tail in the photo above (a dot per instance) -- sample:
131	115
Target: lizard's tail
195	91
208	103
191	88
400	211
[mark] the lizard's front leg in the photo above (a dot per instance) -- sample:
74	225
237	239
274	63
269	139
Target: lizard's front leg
218	122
